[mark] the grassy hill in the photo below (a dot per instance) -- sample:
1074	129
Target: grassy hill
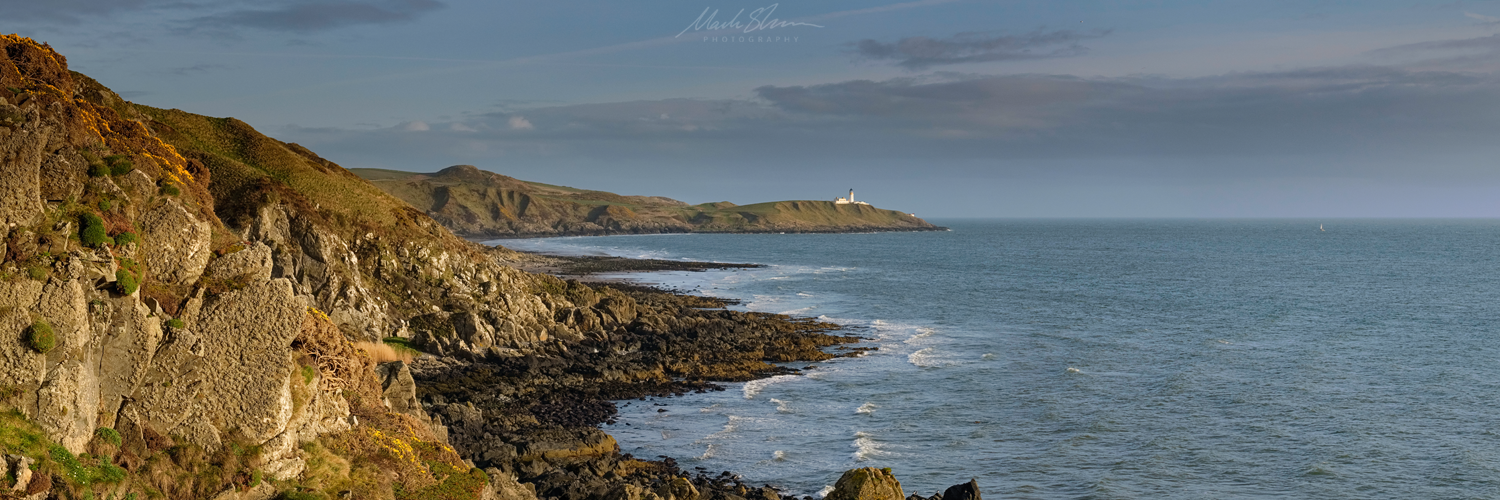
478	203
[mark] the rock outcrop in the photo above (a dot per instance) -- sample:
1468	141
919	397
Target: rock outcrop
867	483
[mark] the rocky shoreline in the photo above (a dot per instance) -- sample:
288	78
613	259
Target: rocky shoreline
537	419
640	231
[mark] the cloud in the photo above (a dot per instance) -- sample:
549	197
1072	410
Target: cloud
1482	17
415	126
196	69
70	11
519	123
321	15
922	52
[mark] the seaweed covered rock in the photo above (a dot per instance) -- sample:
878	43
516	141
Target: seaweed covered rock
867	483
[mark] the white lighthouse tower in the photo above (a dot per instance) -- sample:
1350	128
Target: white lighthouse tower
849	200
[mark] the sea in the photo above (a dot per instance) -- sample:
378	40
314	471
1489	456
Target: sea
1063	359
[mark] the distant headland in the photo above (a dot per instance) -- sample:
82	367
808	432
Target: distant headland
479	204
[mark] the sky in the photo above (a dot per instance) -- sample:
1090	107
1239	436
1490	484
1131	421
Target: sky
945	108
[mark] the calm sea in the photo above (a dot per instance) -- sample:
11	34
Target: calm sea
1109	358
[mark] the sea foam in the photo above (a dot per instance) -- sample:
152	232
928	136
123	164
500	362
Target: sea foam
865	447
754	387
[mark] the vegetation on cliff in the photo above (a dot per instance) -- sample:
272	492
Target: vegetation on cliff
477	203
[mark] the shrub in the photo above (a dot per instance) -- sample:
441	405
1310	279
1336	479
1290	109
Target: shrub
170	190
175	323
109	435
126	282
92	233
104	205
36	273
126	238
40	337
119	164
98	170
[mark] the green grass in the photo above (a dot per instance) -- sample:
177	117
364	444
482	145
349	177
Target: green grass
108	435
175	323
401	346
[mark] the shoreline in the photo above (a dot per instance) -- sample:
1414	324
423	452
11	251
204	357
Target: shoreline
530	405
479	238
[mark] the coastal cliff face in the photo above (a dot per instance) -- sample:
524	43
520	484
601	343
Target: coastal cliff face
479	204
180	298
190	309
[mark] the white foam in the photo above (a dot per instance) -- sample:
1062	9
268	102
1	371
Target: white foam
798	312
804	294
925	358
708	453
988	355
866	408
779	456
781	406
827	488
923	333
1073	370
754	387
709	408
865	447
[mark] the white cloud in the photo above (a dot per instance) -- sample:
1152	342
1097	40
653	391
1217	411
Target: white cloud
520	123
459	127
1482	17
415	126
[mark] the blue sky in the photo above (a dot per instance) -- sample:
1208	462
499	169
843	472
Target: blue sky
941	107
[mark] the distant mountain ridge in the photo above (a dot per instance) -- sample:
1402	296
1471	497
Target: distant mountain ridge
476	203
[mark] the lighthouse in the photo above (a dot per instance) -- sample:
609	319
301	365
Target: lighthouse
849	200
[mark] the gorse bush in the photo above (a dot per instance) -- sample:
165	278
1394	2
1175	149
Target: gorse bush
40	337
126	238
105	205
170	190
98	170
92	232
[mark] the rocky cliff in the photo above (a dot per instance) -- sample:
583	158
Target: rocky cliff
190	309
480	204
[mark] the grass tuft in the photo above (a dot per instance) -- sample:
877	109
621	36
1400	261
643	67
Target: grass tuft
382	352
40	337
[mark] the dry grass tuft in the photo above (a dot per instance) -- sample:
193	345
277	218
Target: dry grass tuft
381	353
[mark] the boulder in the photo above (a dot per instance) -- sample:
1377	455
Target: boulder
677	489
504	486
253	262
867	483
20	179
67	404
62	174
176	244
965	491
130	339
398	388
247	338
